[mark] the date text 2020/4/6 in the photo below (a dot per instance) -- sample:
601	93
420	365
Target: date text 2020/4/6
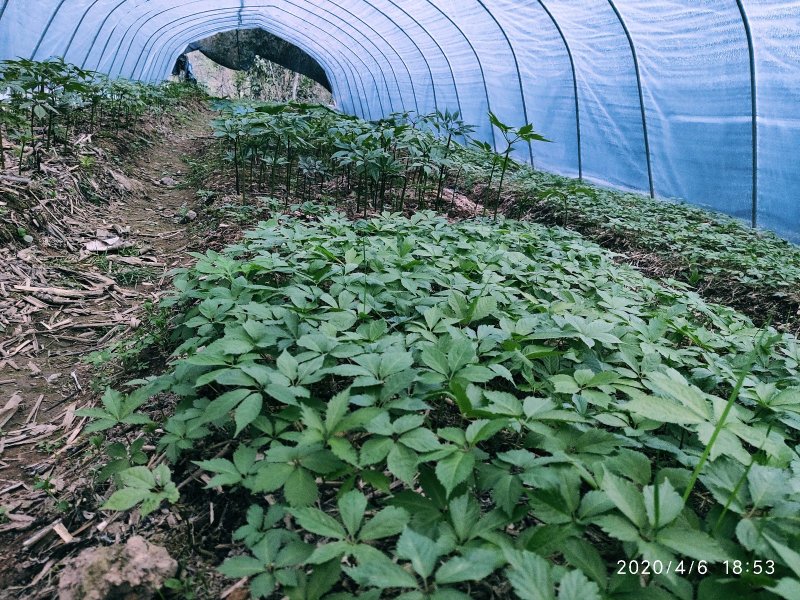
686	568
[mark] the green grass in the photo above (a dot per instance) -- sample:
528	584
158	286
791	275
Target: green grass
421	409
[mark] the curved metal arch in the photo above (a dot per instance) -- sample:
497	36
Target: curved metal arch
220	25
516	66
436	42
162	57
421	53
46	29
574	85
227	24
110	35
400	95
641	96
753	108
330	73
335	83
305	41
477	60
254	8
393	49
386	16
356	77
80	24
411	17
150	17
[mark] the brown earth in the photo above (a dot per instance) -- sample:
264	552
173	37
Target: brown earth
84	283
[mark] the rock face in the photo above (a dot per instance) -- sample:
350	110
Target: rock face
237	50
134	571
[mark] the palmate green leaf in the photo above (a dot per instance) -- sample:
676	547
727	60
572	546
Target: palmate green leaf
344	450
665	411
221	406
262	585
386	523
674	386
140	478
626	497
331	551
402	463
352	506
381	573
376	449
583	555
318	522
226	472
529	575
436	360
576	586
394	362
237	567
662	503
502	403
474	565
455	469
692	543
465	513
336	410
234	346
269	477
483	429
483	307
420	550
790	557
420	440
300	488
287	365
506	491
618	528
787	588
126	498
247	412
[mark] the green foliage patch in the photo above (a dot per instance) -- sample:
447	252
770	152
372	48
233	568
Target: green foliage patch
52	102
754	270
421	409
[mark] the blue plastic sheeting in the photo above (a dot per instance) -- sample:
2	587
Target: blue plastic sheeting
682	99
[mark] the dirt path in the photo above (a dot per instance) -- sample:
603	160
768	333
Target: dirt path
61	306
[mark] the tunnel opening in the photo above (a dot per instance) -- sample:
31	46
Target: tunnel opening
254	64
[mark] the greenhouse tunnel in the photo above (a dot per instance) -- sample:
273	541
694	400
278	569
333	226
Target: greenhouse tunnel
677	99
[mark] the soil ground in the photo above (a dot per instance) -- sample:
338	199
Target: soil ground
65	306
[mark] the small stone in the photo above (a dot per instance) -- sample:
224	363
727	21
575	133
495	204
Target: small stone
168	181
28	239
134	571
191	216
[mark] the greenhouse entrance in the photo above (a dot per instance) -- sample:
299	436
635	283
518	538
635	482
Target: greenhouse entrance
254	64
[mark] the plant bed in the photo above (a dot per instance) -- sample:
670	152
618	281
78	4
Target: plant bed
420	409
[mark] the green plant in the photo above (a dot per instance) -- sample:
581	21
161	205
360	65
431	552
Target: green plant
86	162
123	457
185	589
50	102
48	487
118	409
512	136
432	408
143	487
